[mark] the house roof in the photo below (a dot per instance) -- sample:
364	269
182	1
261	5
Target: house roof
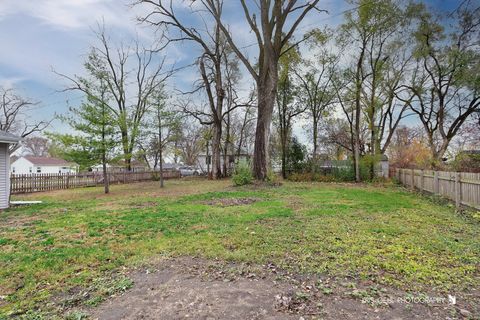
121	164
6	137
171	165
48	161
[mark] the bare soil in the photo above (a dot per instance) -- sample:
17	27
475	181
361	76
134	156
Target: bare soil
192	288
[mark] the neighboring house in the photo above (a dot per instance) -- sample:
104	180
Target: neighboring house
204	162
5	140
31	164
116	167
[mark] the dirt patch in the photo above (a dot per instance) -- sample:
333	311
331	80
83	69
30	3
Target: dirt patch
228	202
189	288
23	221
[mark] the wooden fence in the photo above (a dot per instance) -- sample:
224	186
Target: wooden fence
461	187
36	182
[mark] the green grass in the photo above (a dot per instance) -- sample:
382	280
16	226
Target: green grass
79	240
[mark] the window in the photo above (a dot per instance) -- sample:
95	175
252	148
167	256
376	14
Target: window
30	169
39	169
13	169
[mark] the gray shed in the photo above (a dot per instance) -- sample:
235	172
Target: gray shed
6	139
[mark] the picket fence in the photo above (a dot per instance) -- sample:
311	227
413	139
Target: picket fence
461	187
36	182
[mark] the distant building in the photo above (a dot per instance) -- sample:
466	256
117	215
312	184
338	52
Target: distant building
6	139
136	166
204	162
31	164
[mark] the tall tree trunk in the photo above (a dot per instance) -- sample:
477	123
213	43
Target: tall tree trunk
209	174
358	113
242	134
106	184
315	144
267	89
160	149
373	152
161	169
372	112
216	152
126	153
226	162
216	108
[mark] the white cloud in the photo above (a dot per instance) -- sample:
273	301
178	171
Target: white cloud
67	14
10	82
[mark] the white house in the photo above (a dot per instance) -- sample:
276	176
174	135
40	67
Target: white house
31	164
5	140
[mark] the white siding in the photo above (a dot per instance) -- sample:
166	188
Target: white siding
4	176
23	166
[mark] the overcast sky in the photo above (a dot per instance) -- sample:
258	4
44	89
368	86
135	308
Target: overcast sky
40	36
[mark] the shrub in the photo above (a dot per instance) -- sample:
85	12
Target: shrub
242	174
344	174
308	176
296	156
272	178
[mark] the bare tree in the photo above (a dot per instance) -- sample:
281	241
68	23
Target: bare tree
279	21
288	106
211	64
14	117
273	33
132	74
372	31
388	57
191	143
36	146
447	90
316	90
244	127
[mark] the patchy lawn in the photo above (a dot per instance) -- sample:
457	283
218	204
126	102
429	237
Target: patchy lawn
76	248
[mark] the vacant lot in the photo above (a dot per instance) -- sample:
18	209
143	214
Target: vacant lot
363	243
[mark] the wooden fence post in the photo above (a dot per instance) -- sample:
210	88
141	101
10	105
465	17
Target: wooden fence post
422	180
458	190
436	187
412	171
